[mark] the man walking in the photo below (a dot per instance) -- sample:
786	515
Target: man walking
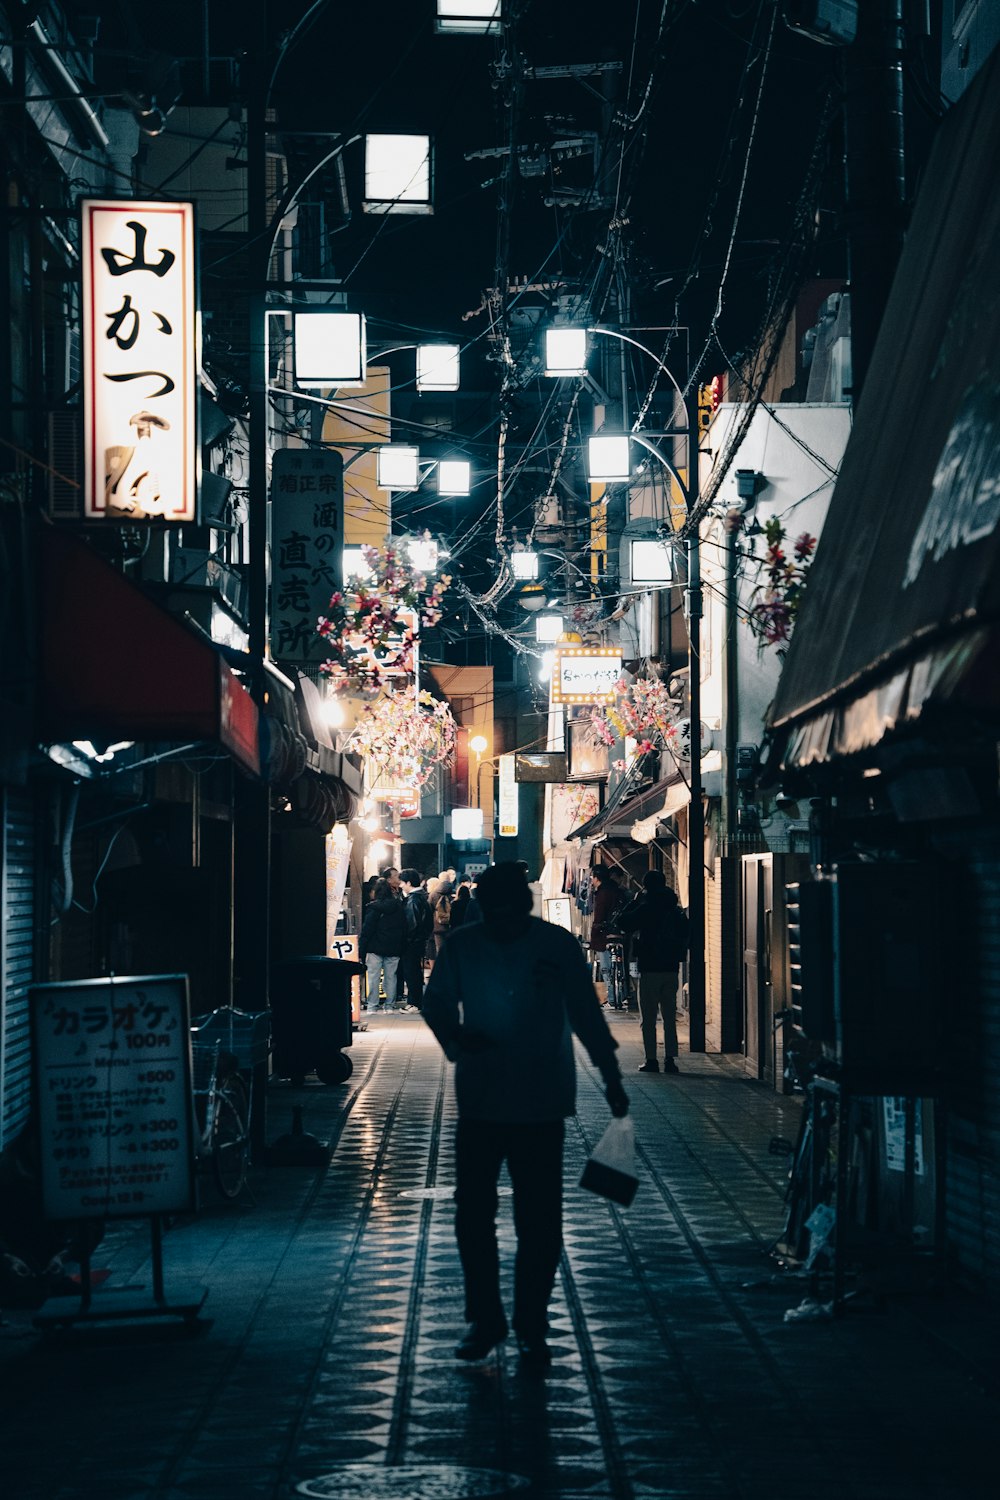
662	929
419	926
504	1000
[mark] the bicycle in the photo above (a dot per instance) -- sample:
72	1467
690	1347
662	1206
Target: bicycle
222	1043
617	978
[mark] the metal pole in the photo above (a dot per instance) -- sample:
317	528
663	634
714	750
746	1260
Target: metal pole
696	815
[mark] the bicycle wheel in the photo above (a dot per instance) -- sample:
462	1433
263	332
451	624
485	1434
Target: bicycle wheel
230	1137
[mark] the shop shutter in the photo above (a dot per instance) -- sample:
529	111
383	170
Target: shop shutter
17	911
973	1124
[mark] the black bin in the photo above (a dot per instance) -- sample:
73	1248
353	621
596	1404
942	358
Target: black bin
311	1017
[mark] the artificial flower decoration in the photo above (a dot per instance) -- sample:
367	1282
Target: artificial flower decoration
779	594
404	735
642	711
371	630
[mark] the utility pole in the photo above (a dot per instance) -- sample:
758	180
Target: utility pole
252	876
696	814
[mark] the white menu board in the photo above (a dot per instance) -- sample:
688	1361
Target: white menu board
112	1060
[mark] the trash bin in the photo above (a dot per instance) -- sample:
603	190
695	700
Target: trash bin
311	1017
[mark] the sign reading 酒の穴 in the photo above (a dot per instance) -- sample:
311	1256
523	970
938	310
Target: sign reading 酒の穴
140	361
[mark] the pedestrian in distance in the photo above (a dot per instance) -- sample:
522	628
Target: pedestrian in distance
662	942
419	926
608	897
460	905
504	1000
382	943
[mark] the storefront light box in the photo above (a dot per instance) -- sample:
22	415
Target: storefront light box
586	674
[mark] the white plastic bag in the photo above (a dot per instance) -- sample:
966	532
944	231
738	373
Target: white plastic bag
610	1169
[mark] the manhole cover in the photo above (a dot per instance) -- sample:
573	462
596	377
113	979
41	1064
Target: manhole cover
443	1192
410	1482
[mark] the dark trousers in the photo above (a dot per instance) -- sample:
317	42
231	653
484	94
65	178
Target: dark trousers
412	967
533	1154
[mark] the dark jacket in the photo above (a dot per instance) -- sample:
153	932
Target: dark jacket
383	930
419	920
607	899
459	909
504	1008
662	929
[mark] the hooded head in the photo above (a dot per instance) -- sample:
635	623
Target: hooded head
655	884
505	898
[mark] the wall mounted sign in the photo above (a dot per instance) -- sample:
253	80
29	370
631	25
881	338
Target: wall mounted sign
112	1062
307	535
140	361
586	674
507	797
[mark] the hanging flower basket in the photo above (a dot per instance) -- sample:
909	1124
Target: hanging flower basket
642	711
404	735
779	594
371	630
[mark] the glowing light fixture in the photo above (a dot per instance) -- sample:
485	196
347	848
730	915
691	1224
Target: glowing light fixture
356	568
565	351
454	476
437	367
549	627
469	16
423	553
397	467
531	596
333	712
524	564
330	349
651	561
479	743
467	823
397	174
608	459
545	666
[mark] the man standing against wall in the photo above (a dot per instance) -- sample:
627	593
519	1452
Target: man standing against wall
662	930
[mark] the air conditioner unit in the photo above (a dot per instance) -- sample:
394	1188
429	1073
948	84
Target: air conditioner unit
65	462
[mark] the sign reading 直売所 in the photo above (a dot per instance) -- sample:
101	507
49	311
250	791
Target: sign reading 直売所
140	361
112	1061
307	535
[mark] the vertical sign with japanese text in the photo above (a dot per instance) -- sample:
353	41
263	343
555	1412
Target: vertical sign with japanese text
112	1064
507	797
140	361
307	537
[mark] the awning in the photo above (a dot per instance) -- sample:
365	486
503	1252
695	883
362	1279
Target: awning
902	606
113	665
616	820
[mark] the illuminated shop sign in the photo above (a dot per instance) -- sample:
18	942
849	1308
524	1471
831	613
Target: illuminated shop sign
586	674
140	349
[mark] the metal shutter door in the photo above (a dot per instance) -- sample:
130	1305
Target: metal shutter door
17	909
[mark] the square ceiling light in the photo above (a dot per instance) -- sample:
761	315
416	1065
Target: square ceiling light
437	367
330	348
356	568
565	351
397	174
650	561
548	628
524	564
397	467
609	460
469	16
466	822
454	476
422	552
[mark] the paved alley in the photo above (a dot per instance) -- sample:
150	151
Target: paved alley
325	1364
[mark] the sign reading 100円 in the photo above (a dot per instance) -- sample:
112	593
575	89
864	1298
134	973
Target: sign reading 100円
586	674
113	1082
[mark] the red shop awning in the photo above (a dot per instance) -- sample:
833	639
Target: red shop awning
114	665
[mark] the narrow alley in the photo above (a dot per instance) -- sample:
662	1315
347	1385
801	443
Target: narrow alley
324	1362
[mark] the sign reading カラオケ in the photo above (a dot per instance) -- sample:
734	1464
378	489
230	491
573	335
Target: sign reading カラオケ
113	1083
585	674
140	361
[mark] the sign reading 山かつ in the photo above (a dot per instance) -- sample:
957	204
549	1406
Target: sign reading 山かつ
586	674
140	361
